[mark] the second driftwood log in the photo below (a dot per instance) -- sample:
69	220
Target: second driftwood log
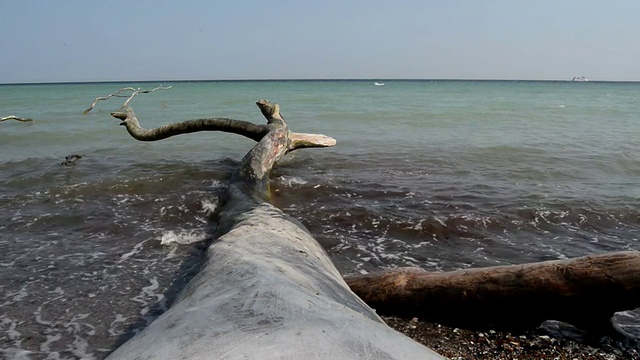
584	292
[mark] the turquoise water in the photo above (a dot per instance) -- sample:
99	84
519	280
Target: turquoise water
437	174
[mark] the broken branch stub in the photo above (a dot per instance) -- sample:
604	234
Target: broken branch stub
300	141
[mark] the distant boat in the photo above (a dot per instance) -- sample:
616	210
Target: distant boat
378	84
579	78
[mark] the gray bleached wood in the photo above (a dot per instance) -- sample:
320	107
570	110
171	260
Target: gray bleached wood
129	97
267	289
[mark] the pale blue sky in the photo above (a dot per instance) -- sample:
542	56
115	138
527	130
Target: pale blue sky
85	40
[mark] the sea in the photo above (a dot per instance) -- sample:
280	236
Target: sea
99	232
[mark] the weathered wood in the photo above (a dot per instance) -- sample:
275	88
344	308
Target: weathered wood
129	97
300	141
267	289
244	128
13	117
583	291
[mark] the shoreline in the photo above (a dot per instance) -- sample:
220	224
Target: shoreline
462	344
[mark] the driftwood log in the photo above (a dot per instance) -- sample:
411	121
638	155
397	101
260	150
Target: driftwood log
584	292
16	118
267	289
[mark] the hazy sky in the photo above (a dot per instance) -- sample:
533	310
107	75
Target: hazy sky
85	40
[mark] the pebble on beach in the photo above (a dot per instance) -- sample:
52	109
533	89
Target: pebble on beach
462	344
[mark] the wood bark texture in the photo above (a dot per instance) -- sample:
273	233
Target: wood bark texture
584	292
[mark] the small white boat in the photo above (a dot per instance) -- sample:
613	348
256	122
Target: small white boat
579	78
378	84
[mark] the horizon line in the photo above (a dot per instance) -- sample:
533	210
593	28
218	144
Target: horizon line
304	79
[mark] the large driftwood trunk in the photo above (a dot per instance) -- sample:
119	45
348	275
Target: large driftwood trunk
266	290
584	292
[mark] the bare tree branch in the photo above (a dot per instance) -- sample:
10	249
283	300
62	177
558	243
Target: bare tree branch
13	117
134	92
138	91
244	128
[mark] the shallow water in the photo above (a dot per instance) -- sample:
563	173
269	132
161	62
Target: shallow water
442	175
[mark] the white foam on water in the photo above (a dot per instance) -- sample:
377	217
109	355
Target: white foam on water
411	260
44	347
148	297
116	323
182	237
54	356
11	332
149	290
292	180
423	243
209	207
551	249
79	349
136	249
122	199
16	296
39	319
16	354
390	256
